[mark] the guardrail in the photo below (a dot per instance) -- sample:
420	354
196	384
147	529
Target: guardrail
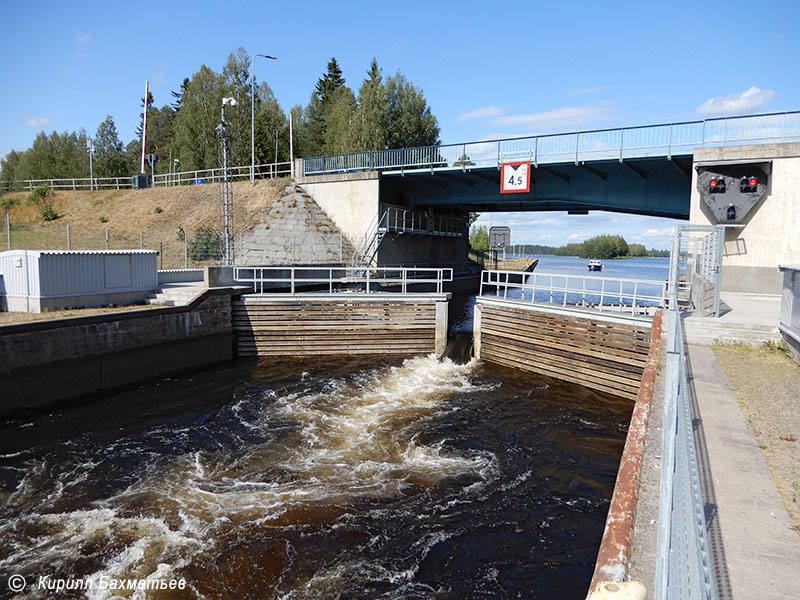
578	290
406	220
274	279
601	144
683	561
199	176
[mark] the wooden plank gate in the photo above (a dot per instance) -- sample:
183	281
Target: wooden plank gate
601	351
335	324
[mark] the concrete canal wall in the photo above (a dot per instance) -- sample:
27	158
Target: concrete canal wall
42	361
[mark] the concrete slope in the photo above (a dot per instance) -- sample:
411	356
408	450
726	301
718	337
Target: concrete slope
293	230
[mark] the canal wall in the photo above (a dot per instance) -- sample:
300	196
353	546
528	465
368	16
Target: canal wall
606	352
56	359
325	324
611	567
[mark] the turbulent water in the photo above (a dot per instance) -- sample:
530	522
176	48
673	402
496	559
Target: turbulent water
324	479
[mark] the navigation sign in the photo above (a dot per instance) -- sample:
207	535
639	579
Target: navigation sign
499	237
515	177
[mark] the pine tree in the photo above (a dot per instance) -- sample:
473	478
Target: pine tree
410	121
176	105
317	112
141	114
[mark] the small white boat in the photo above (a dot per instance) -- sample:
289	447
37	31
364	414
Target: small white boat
595	265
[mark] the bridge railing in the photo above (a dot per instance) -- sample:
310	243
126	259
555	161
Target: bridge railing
601	293
265	280
601	144
267	170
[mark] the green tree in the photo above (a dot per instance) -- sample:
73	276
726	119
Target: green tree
161	136
636	250
372	113
479	238
196	143
339	122
270	119
8	167
108	151
410	121
55	156
317	114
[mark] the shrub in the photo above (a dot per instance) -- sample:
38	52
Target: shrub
7	203
206	245
103	219
40	195
47	212
159	210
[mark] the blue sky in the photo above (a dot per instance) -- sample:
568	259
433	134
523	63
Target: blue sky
487	70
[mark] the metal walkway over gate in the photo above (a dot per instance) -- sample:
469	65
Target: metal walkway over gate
643	170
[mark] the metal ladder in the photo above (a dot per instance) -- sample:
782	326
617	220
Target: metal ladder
372	241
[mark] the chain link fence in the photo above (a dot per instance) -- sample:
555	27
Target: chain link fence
183	249
177	249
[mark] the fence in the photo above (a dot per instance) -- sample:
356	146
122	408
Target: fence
596	292
697	260
268	170
683	565
269	279
606	144
176	250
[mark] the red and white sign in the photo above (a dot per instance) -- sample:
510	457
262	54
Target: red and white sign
515	177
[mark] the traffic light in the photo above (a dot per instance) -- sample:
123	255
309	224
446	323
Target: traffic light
716	185
731	213
748	185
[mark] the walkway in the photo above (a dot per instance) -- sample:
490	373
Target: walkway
755	552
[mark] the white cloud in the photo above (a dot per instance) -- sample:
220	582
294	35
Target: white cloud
566	116
37	122
736	104
658	233
580	235
545	236
82	38
484	112
588	90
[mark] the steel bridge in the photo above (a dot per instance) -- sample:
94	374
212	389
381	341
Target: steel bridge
643	170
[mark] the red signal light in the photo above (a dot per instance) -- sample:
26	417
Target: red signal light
753	181
716	185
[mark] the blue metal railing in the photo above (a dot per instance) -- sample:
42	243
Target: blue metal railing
668	140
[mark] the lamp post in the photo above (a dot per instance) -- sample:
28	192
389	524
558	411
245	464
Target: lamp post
253	115
90	150
175	162
227	218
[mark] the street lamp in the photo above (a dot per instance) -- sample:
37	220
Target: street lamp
90	150
227	220
253	115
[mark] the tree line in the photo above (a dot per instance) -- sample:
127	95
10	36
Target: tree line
601	246
386	113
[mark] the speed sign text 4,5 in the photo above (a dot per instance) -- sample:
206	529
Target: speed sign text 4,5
515	177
